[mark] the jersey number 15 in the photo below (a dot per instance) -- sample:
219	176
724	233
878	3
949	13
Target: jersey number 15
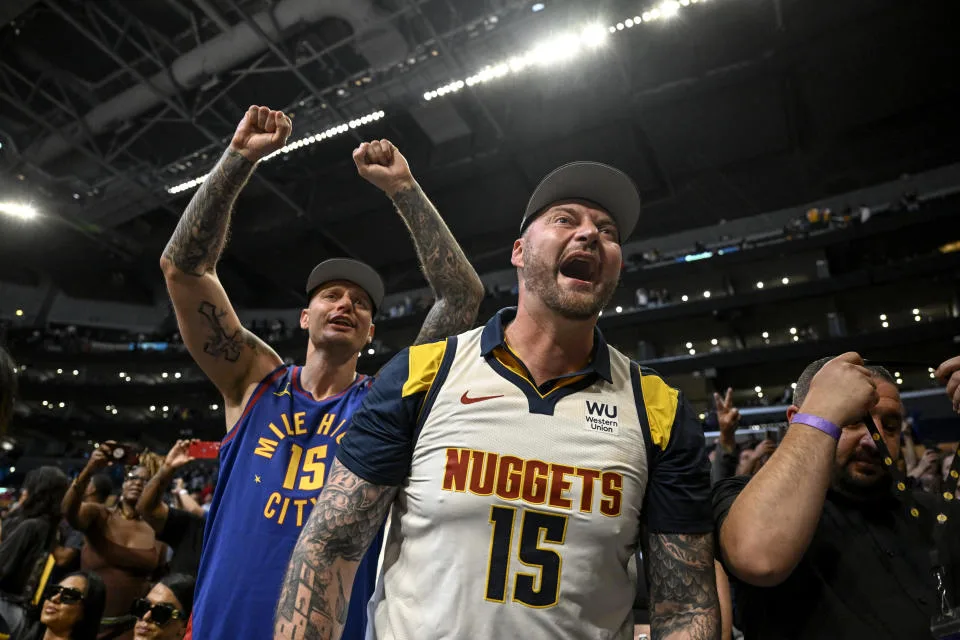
541	588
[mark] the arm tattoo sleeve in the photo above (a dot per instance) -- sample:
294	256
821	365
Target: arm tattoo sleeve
451	276
220	343
201	234
316	590
683	590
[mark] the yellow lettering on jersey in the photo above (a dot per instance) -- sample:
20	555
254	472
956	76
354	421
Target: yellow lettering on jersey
339	426
455	474
340	437
286	423
283	510
280	434
268	510
300	504
326	423
296	452
298	420
267	448
313	501
611	486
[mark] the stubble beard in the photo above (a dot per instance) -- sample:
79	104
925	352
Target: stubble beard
541	281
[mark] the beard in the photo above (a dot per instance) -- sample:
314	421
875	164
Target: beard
541	280
860	486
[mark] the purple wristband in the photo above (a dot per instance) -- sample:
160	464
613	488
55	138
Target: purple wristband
817	422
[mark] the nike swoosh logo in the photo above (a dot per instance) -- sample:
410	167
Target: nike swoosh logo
468	400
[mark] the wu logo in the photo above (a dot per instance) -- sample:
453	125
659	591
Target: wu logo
602	417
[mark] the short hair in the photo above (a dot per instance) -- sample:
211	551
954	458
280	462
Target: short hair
803	382
102	486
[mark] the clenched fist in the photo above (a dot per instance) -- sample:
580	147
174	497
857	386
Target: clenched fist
381	164
948	373
261	132
843	391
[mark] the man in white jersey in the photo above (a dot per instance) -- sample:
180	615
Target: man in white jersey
525	461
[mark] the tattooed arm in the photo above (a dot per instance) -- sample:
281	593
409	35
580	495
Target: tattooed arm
456	286
232	357
316	589
683	589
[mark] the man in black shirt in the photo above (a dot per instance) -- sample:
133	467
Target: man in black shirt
815	543
181	529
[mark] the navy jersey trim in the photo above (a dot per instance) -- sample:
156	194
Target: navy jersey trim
542	405
438	380
262	386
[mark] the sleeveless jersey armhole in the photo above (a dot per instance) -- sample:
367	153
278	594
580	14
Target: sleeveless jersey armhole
258	392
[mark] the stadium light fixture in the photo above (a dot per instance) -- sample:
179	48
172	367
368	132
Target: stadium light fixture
165	408
785	280
793	331
899	380
153	407
706	294
758	389
619	309
18	210
293	145
766	334
214	406
689	345
19	313
123	375
684	298
759	394
916	312
693	352
759	284
796	338
883	316
714	342
59	372
176	375
896	374
370	351
537	7
885	324
62	405
76	372
793	385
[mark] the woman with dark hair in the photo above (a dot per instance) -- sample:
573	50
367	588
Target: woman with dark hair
69	610
163	614
120	546
30	534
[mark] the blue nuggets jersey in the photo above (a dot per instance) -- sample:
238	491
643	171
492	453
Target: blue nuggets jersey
273	464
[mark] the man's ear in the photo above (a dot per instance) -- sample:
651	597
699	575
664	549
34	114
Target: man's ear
516	257
305	319
370	334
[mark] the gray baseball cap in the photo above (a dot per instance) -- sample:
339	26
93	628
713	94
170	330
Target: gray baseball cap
359	273
610	188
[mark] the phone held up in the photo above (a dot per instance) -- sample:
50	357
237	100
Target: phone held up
204	450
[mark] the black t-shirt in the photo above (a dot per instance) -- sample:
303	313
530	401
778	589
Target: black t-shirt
866	574
184	533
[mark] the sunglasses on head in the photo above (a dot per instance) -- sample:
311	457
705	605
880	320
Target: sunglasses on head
68	595
160	613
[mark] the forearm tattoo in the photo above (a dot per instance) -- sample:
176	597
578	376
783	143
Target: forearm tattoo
201	234
683	589
315	598
456	285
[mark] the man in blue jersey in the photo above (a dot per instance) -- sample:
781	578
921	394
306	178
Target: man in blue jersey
285	422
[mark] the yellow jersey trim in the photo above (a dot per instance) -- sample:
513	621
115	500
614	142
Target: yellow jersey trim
423	362
661	403
509	359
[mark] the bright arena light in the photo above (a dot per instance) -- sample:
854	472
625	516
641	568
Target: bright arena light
17	210
293	145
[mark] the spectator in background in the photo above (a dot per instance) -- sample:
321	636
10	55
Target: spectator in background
726	456
31	533
120	546
8	388
67	556
70	610
815	543
164	612
182	529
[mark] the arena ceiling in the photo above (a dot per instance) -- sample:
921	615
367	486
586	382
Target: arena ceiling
730	108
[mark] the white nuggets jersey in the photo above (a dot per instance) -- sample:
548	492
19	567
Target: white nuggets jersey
519	507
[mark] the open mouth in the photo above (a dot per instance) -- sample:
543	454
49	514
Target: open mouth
342	321
583	267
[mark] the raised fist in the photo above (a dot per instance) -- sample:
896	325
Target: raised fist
948	373
843	391
261	132
102	456
381	164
